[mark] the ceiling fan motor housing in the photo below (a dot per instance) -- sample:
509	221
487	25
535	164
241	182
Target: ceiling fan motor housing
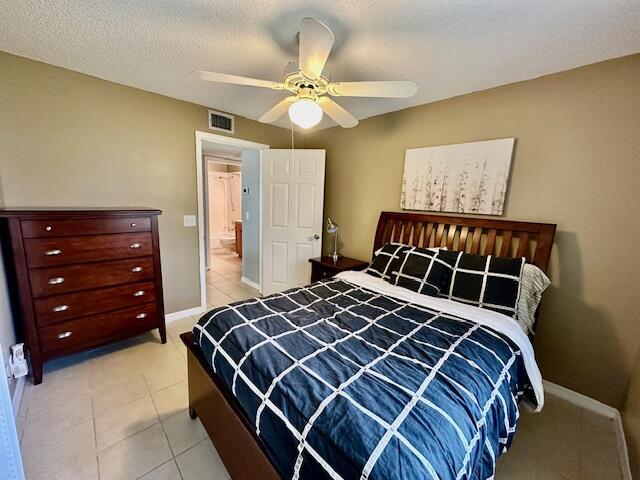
296	82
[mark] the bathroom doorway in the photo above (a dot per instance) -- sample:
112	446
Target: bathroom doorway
224	174
229	218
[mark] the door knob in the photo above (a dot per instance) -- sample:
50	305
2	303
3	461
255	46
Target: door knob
315	237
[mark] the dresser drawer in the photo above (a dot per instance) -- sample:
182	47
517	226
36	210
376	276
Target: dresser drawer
43	252
84	276
55	309
84	226
105	325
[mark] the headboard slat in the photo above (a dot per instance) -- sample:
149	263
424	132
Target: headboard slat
523	246
439	232
506	243
407	232
462	242
514	239
417	230
491	240
475	245
426	242
397	231
451	236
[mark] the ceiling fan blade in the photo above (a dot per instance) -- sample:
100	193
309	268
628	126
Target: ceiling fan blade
339	114
238	80
277	110
316	41
391	89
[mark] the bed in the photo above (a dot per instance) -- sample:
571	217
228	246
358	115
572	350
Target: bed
352	377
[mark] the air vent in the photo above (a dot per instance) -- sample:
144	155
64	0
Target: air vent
221	121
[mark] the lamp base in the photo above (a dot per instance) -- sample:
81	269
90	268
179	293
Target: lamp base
335	256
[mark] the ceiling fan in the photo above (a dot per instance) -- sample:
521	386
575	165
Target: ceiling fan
310	84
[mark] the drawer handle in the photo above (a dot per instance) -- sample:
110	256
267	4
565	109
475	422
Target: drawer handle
55	251
137	269
133	225
138	293
140	316
64	335
60	308
135	245
48	228
56	281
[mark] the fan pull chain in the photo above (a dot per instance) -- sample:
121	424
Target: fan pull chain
292	145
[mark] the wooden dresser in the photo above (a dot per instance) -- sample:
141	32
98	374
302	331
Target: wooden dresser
82	278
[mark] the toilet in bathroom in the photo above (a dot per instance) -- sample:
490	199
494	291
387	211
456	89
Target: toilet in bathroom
228	242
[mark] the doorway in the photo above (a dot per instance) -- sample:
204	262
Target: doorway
228	218
224	215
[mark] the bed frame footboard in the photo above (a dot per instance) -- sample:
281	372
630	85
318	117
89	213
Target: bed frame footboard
239	448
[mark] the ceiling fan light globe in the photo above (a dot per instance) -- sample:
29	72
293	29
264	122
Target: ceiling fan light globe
305	113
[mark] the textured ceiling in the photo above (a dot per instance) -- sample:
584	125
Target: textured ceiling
449	47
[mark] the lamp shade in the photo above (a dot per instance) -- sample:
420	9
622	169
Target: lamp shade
305	113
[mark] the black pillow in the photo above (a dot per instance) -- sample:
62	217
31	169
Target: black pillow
421	270
485	281
380	267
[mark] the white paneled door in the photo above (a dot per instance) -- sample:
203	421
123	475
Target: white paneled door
292	202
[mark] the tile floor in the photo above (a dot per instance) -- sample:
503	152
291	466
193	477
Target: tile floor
562	442
120	412
223	279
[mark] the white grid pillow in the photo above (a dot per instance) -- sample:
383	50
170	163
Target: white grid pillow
420	270
383	258
485	281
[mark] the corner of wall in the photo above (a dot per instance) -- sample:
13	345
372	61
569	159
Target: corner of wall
7	329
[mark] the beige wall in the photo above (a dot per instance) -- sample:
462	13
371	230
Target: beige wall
577	164
68	139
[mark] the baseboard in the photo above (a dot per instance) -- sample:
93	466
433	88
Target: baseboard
600	408
172	317
251	283
16	398
625	466
580	400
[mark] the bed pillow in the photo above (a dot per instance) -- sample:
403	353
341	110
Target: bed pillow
534	282
485	281
383	257
420	270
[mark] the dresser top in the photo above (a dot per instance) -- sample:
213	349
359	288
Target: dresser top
76	212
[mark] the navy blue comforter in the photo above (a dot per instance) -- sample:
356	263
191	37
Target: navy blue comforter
343	382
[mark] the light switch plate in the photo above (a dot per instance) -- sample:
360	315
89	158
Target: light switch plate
189	220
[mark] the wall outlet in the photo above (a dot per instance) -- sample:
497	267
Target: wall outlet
189	220
18	362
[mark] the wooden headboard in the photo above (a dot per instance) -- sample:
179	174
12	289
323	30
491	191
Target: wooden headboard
483	236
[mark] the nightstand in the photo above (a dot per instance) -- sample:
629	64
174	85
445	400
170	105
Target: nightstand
325	267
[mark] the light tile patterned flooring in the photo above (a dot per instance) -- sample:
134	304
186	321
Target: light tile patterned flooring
120	412
223	281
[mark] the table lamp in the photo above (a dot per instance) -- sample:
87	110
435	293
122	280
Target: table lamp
333	228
